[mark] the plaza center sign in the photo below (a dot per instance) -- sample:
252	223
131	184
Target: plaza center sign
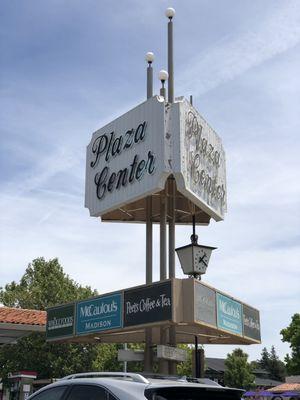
198	160
131	158
126	158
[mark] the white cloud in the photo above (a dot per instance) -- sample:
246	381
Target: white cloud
232	56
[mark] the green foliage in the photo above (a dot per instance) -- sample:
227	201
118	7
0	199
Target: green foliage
265	359
272	364
291	334
45	284
238	371
185	368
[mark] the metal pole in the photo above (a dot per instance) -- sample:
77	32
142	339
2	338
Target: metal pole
162	91
171	212
170	62
163	364
163	255
125	362
149	230
197	369
171	228
148	361
202	363
149	81
149	236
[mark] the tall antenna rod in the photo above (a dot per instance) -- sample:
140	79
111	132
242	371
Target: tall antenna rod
170	12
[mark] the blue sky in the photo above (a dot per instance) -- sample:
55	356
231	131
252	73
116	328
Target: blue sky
69	67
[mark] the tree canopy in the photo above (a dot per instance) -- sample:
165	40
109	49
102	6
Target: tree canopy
44	284
291	334
271	363
238	371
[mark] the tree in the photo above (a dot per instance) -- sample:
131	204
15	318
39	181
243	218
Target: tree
276	366
44	284
265	359
238	371
272	364
291	334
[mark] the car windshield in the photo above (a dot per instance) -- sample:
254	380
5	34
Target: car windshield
191	393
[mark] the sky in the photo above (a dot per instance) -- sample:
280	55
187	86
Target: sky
70	67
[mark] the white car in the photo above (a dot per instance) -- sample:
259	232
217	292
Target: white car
130	386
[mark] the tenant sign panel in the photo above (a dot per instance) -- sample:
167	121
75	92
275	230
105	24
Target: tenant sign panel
60	321
229	314
198	160
148	304
251	322
99	314
125	160
205	304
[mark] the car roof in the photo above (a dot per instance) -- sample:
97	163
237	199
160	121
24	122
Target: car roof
127	387
118	387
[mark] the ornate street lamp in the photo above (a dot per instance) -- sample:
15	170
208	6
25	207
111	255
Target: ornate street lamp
194	258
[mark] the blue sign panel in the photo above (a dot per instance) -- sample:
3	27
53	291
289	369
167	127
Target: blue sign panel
230	316
99	314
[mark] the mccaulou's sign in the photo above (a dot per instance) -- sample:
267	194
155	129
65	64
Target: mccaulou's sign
99	314
229	314
125	159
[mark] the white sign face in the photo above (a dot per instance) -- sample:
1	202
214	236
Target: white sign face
171	353
126	158
198	160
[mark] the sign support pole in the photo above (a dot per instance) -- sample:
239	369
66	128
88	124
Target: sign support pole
170	62
148	361
163	217
172	331
163	364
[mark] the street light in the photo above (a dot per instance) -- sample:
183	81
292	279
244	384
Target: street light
163	77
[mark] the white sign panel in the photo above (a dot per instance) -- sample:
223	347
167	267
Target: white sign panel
130	355
171	353
198	160
126	158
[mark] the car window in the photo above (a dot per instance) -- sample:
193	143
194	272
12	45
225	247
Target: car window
87	392
54	393
190	393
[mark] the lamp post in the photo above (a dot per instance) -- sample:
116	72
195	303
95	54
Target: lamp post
163	76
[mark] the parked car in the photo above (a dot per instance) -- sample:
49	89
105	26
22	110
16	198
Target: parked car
130	386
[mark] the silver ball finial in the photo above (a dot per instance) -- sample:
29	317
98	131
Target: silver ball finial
149	57
170	12
163	75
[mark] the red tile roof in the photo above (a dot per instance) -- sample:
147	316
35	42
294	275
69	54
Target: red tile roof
10	315
286	387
